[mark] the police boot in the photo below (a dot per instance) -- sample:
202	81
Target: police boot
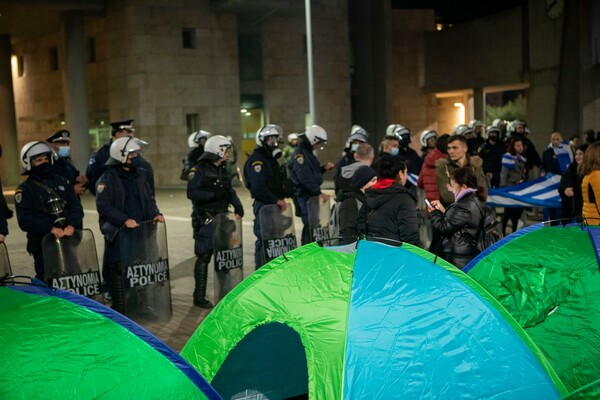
201	278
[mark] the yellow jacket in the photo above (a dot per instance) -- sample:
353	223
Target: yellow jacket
591	209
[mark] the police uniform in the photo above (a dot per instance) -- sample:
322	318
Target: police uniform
210	190
266	183
31	198
121	195
97	163
307	174
63	165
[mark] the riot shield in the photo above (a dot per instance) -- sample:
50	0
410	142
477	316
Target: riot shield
145	292
318	219
228	253
5	269
71	263
277	231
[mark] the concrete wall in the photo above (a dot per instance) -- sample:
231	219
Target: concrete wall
286	80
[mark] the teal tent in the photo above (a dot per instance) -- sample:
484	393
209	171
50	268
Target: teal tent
377	323
59	345
547	277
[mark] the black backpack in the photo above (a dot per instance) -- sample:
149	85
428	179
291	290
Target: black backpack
490	230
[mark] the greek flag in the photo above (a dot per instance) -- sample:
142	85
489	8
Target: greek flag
539	192
412	178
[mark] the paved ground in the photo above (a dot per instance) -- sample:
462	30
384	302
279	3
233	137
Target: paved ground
176	208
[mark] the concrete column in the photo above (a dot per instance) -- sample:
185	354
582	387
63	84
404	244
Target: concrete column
9	163
74	87
478	104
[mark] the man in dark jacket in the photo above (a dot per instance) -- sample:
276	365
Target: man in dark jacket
210	190
123	199
350	201
45	202
389	214
265	180
60	142
491	153
307	173
97	163
357	137
196	143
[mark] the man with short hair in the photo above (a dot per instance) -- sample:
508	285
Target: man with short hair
557	157
363	155
457	157
60	142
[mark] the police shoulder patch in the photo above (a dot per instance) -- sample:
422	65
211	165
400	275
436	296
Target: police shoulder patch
258	168
100	188
191	175
18	196
300	159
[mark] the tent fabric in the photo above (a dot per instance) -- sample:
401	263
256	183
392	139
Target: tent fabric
308	291
548	280
415	328
539	192
59	345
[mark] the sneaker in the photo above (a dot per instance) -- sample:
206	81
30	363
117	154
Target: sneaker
203	303
107	296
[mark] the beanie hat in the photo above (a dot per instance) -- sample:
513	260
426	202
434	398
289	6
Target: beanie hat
362	176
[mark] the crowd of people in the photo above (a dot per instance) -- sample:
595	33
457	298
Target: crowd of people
375	196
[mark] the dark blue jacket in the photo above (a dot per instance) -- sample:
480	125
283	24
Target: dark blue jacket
209	188
66	169
112	198
97	165
30	199
263	176
306	171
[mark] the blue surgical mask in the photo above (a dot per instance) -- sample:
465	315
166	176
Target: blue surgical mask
354	148
64	151
136	162
394	151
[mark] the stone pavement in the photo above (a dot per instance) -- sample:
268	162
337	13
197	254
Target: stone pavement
177	209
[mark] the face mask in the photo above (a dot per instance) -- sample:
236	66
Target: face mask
394	151
41	171
276	152
354	148
64	151
135	163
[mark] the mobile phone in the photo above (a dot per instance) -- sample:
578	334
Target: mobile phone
428	203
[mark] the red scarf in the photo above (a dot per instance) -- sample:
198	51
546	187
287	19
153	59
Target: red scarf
383	183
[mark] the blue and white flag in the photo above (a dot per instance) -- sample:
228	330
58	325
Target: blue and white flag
540	192
564	156
412	178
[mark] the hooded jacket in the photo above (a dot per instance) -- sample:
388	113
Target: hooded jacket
427	180
389	214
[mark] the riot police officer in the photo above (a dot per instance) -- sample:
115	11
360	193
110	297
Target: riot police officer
97	163
210	190
357	136
60	143
403	136
265	180
123	199
45	202
196	143
307	172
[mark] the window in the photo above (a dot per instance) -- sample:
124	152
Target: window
91	49
192	122
53	58
188	38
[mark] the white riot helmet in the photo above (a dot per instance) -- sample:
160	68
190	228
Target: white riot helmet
198	138
32	149
316	134
511	128
268	131
121	147
493	128
426	135
269	136
358	133
215	148
292	136
477	126
462	129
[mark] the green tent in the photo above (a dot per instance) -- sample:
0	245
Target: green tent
299	326
547	277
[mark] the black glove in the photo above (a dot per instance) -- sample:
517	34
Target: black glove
239	210
8	213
